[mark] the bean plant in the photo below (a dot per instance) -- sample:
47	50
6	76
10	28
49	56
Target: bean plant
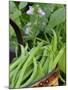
43	27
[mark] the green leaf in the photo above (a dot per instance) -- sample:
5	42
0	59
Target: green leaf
57	18
22	5
12	7
24	19
48	8
15	13
12	38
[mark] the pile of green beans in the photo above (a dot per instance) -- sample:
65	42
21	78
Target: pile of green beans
34	64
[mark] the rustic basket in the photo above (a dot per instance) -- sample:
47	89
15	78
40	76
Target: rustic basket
50	80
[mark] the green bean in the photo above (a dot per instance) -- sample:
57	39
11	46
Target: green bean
29	68
12	80
37	58
60	53
45	66
23	51
32	76
52	49
13	65
40	72
14	59
27	74
43	59
51	60
17	76
18	68
47	38
11	74
34	52
61	78
54	42
39	39
12	83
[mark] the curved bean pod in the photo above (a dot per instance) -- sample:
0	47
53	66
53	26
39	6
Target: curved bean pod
17	69
32	76
34	52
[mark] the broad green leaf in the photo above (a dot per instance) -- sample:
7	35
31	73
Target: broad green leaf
15	16
48	8
57	18
12	7
15	13
22	5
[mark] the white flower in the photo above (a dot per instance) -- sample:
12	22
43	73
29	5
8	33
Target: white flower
30	11
41	12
